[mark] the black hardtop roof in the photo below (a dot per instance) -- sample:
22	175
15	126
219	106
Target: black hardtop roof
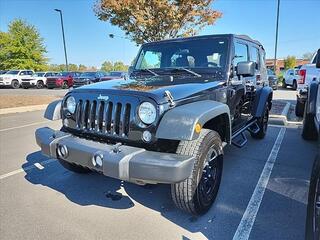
244	37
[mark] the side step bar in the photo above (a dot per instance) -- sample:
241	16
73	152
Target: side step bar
239	139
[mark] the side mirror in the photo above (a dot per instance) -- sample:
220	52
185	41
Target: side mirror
246	69
318	59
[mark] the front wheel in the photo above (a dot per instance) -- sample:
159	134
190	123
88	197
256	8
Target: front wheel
65	85
197	193
40	84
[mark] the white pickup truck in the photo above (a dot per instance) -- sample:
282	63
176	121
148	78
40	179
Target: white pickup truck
14	78
308	73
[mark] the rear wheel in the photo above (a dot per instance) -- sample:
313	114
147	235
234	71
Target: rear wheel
263	125
40	84
309	130
294	85
197	193
73	168
284	85
15	84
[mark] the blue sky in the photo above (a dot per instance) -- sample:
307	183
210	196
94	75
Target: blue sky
88	42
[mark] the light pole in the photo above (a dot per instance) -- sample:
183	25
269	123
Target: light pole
276	44
64	41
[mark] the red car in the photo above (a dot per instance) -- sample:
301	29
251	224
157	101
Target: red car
62	80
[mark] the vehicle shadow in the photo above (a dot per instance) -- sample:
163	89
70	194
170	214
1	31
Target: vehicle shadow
96	189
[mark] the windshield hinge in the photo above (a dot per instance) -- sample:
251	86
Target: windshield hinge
168	94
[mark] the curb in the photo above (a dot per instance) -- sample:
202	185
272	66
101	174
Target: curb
282	118
23	109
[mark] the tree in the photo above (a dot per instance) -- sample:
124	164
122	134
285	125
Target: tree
307	56
107	66
151	20
72	67
120	66
290	62
82	68
22	47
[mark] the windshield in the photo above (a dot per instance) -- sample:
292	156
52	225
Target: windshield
64	74
13	72
38	74
197	54
88	74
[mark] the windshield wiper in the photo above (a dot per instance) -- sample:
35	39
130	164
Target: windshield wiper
187	70
148	70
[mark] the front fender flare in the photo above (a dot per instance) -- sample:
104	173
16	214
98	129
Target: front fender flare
312	98
53	111
179	123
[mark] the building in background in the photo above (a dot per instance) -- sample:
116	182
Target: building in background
280	63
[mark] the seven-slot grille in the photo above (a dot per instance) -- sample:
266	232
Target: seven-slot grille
105	117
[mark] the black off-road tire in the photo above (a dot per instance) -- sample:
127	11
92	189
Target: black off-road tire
299	110
74	168
191	195
313	208
284	85
263	124
15	84
294	85
65	85
40	84
309	129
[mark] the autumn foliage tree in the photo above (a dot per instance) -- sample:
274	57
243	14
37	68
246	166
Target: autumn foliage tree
151	20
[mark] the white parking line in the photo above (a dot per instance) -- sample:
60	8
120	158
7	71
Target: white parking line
249	216
20	170
27	125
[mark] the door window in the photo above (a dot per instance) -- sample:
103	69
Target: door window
255	57
241	53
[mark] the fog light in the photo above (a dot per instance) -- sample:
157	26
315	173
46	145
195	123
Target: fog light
97	160
146	135
63	151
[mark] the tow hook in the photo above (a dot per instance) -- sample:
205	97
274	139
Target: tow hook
116	148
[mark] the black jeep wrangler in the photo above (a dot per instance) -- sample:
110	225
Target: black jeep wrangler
169	121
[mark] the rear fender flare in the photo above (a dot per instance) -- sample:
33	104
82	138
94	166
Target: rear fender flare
262	96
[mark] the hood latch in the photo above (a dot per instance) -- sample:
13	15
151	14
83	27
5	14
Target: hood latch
168	94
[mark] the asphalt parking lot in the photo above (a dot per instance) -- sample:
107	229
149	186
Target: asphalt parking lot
41	200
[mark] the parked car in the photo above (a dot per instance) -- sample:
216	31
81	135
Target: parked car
115	75
62	80
273	79
311	116
13	78
87	78
38	80
3	72
290	78
169	122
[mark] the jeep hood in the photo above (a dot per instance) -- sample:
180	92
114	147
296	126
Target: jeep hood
155	87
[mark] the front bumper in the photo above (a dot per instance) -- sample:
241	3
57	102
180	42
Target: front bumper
125	162
27	84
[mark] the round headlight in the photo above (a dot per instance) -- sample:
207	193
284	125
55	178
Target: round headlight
71	104
147	112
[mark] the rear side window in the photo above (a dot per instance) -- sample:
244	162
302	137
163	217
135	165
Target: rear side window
241	53
255	56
